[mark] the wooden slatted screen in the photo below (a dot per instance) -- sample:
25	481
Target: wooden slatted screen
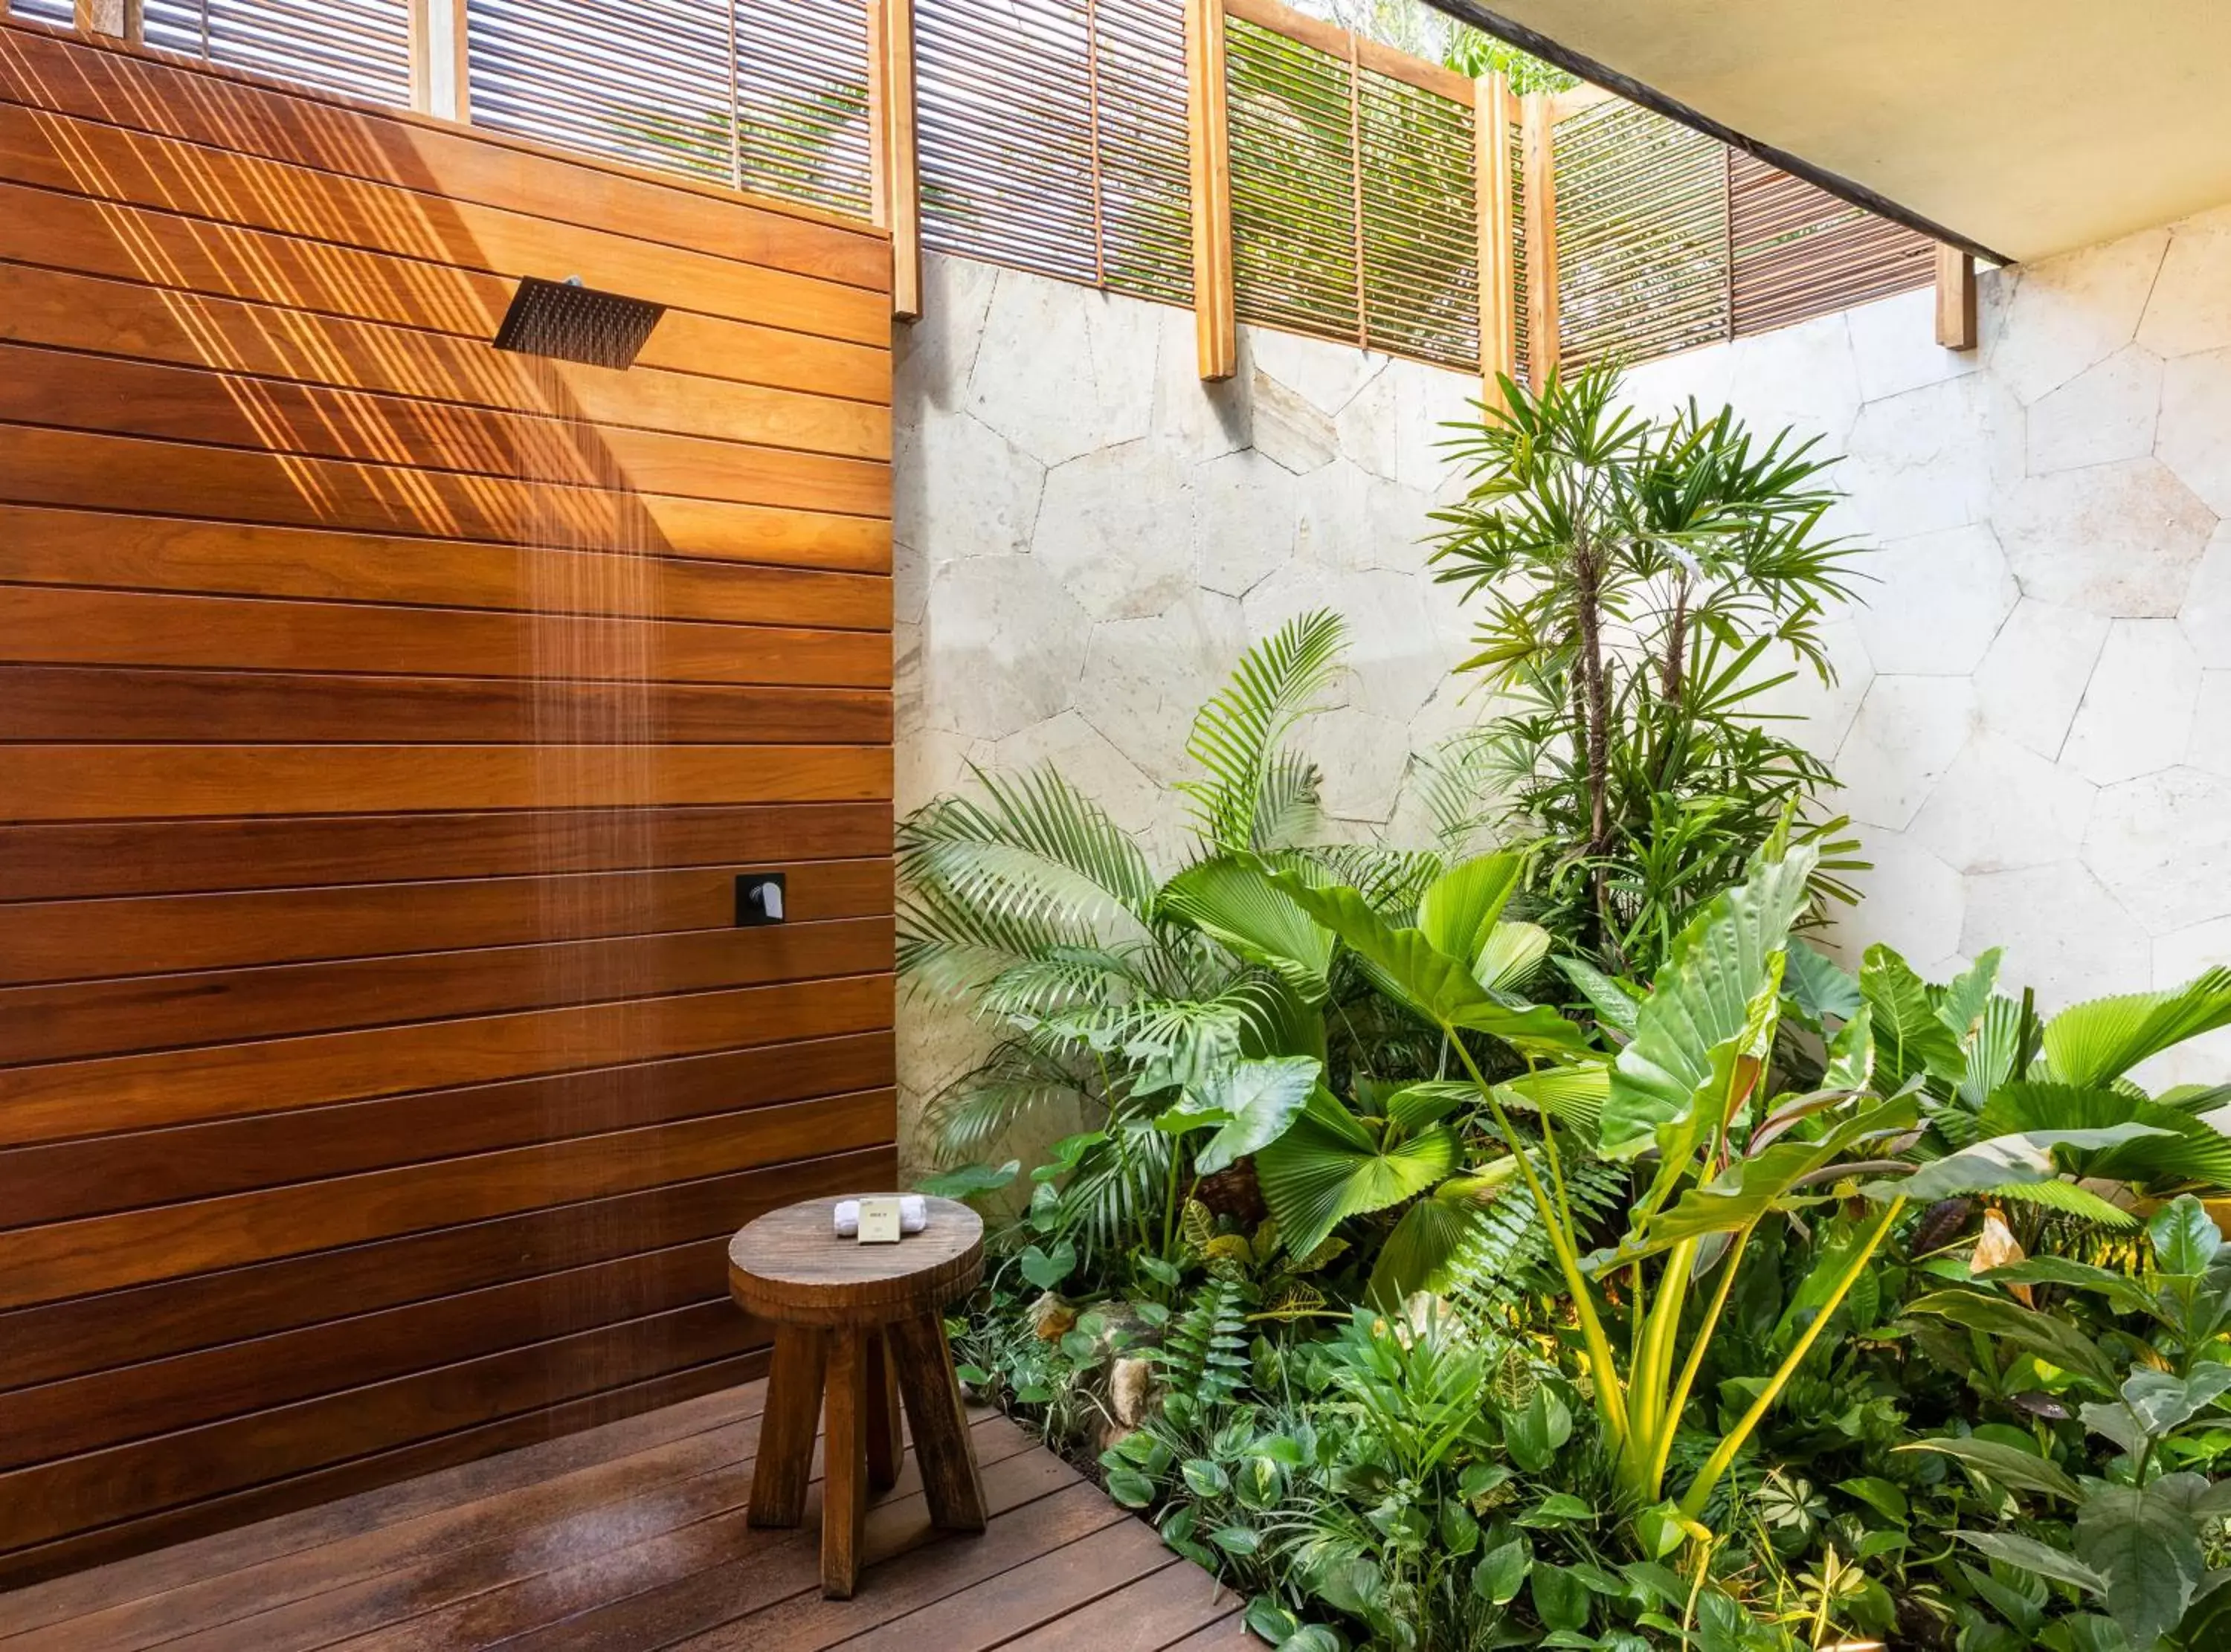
1353	207
383	720
1799	252
1052	137
358	47
766	95
1642	236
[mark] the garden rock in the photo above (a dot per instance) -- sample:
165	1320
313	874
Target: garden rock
1130	1389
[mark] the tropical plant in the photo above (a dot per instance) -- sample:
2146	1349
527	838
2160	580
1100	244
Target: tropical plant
1637	576
2135	1542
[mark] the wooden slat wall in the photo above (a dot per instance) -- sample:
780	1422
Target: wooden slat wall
383	721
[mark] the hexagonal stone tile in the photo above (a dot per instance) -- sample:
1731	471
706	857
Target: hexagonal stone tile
1908	731
1912	901
1002	644
2071	312
1114	528
2136	714
1144	679
2206	615
2063	933
2211	724
2104	413
931	358
2002	806
1921	462
1199	418
2196	425
1814	713
1363	758
2159	842
1803	376
1069	744
1062	370
1246	513
2031	680
2190	306
1894	340
1288	431
2119	539
1325	374
960	489
1939	601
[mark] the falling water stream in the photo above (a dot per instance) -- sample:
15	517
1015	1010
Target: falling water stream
590	593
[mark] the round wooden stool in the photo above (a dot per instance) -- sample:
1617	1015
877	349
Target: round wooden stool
864	1322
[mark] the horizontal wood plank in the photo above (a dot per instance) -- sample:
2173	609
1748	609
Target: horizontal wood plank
42	545
59	1259
108	163
77	1019
193	255
56	625
63	311
133	474
291	708
148	782
78	860
62	1181
209	406
57	1340
66	1100
304	129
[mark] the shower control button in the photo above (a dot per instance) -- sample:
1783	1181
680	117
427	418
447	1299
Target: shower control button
759	899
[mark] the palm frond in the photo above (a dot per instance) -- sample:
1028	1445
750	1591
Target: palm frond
1236	735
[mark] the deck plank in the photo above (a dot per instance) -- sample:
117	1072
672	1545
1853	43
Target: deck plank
632	1538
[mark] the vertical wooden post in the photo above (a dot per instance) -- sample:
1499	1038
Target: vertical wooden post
1498	252
123	20
1956	298
440	84
1541	238
1216	328
896	178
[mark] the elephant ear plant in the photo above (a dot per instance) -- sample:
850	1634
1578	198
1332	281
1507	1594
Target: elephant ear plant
1687	1089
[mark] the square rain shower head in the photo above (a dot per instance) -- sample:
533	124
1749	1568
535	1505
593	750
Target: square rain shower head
576	322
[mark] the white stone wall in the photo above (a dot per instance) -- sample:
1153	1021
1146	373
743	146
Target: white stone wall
1088	536
2033	720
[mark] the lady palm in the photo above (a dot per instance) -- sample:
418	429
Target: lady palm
1635	576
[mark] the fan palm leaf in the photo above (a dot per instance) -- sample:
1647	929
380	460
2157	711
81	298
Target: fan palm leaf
2093	1044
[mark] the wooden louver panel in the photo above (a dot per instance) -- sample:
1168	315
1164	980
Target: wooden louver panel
1052	137
1800	252
766	95
1642	236
361	48
1353	208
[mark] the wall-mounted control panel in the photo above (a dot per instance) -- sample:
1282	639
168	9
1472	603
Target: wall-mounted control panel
760	900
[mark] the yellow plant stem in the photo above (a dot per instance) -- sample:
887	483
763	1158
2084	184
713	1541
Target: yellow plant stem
1611	1396
1677	1402
1653	1373
1725	1454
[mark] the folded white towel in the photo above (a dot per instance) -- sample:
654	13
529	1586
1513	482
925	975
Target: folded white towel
914	1216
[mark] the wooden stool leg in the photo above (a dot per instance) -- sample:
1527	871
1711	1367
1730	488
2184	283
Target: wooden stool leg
941	1444
794	1406
886	1444
844	1463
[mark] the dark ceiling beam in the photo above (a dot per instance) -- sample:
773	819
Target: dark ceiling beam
1537	44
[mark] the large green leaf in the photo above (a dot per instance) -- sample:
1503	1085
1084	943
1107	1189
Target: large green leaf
2041	1557
1414	972
2023	1156
2092	1043
1251	1103
1331	1165
2050	1338
1460	907
1618	1005
1751	1187
1510	957
1236	904
1961	1005
1910	1037
2012	1466
1710	1009
2190	1153
1429	1238
1573	1095
1821	988
2147	1549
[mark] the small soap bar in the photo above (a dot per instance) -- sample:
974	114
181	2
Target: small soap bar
913	1215
879	1220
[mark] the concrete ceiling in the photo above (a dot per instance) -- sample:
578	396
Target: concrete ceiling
2025	127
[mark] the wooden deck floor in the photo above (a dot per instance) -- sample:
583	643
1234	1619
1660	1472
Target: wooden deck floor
630	1538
